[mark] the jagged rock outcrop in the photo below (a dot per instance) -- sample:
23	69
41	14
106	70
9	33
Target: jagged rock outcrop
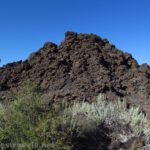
81	67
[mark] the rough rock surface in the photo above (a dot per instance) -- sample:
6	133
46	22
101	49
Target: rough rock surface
81	67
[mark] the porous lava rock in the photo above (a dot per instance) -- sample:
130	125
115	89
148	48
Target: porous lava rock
80	68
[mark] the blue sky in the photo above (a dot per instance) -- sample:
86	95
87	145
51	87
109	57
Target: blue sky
25	25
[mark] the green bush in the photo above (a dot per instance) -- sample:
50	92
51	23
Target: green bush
29	123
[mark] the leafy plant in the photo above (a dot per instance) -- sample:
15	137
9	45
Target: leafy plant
29	122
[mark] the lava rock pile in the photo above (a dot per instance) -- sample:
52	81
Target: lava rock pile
80	68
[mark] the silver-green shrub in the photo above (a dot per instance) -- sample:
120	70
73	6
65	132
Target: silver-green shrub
90	115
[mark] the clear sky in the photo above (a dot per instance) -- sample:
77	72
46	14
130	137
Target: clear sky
25	25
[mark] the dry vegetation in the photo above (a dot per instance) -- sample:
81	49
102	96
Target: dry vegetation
29	122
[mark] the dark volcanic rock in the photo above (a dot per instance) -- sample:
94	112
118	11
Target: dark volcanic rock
81	67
